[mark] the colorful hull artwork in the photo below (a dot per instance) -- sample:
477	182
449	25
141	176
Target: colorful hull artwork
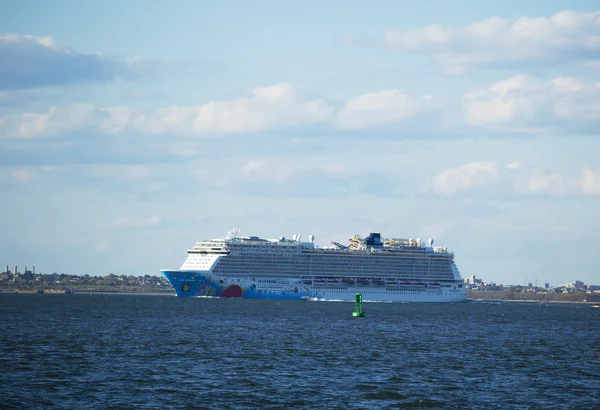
196	284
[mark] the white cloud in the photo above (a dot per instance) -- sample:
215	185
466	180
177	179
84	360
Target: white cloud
565	36
54	121
22	175
57	120
514	178
116	119
534	181
520	103
23	39
590	182
281	106
383	108
523	101
456	180
277	106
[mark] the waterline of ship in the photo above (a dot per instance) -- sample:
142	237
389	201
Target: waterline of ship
382	269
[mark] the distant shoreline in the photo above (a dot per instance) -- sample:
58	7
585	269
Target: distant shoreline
532	301
110	292
542	297
82	292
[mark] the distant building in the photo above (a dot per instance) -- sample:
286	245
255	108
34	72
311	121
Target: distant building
579	284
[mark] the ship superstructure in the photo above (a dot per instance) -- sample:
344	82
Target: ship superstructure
382	269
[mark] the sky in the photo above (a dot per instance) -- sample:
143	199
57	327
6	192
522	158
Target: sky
128	130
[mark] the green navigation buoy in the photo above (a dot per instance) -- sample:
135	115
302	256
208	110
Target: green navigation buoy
358	311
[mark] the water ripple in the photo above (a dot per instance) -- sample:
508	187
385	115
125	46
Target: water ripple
117	351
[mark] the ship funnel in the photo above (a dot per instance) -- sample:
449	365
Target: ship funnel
311	238
430	242
294	237
298	237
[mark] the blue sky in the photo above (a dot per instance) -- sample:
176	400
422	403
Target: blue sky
130	129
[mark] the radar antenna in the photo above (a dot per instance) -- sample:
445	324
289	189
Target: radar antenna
232	234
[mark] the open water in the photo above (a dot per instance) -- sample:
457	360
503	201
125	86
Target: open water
135	351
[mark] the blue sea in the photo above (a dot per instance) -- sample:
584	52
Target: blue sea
100	351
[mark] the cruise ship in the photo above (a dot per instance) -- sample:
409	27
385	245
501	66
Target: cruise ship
381	269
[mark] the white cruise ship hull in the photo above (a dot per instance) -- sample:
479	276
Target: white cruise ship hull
204	284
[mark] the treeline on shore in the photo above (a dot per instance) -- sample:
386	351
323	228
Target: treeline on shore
534	296
64	283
